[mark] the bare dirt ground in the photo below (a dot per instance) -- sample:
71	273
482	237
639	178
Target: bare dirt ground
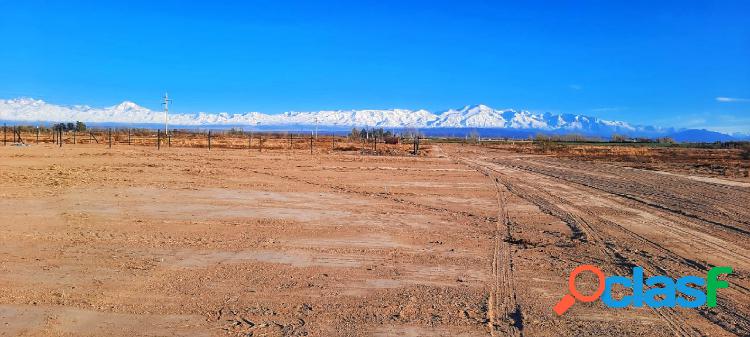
465	241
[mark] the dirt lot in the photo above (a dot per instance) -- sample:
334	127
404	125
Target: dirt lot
465	241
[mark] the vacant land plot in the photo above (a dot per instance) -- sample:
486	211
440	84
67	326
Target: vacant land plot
468	241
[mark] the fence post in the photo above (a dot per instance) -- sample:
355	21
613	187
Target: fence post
4	131
260	142
158	139
109	135
37	134
209	139
128	136
333	142
250	140
59	136
74	137
311	145
169	139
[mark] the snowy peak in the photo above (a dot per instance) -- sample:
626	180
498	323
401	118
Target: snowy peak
127	106
470	116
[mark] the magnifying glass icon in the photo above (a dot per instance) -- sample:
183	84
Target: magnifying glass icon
569	299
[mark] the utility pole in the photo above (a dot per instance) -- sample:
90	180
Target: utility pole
166	113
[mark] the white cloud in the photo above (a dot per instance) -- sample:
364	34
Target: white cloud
731	99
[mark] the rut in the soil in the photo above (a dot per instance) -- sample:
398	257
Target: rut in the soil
729	317
504	313
721	206
616	259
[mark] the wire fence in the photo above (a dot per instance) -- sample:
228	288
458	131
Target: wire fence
213	139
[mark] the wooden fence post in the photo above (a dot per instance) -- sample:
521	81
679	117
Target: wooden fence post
209	139
158	139
109	135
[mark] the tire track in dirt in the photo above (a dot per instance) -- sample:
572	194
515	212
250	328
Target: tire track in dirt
504	313
622	263
504	316
683	225
662	198
728	317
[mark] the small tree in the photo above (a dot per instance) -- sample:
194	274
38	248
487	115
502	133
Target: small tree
80	126
666	140
617	138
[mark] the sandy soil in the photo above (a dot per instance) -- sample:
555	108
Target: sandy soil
469	241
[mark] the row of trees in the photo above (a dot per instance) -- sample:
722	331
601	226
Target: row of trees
77	126
616	138
370	133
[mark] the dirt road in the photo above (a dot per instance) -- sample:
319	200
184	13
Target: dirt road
470	241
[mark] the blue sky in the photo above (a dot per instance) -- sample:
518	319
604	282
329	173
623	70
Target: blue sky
646	62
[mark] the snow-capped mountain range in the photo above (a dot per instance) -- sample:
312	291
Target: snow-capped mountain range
476	116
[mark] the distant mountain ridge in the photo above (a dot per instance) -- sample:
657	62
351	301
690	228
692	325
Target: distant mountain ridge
469	117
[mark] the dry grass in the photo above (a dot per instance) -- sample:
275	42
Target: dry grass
729	163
